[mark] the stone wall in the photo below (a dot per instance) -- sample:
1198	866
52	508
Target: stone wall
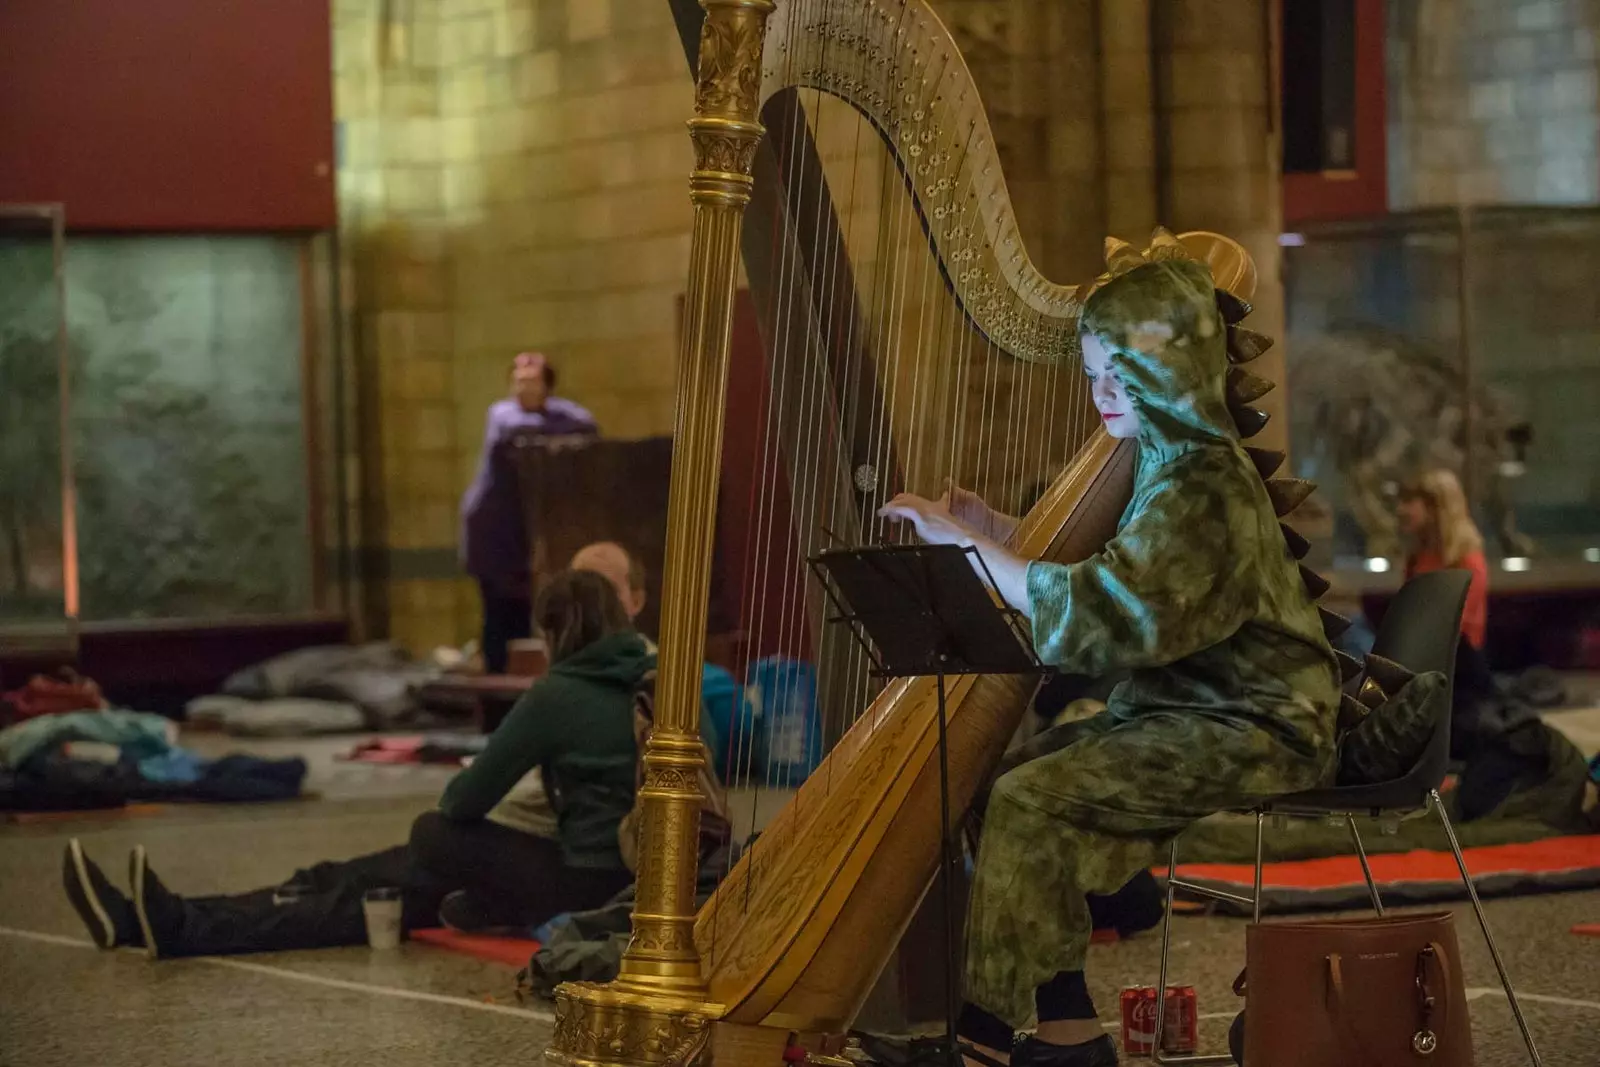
513	176
1493	101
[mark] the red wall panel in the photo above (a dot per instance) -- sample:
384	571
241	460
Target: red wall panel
169	114
1363	192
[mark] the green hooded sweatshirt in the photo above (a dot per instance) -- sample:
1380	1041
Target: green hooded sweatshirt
1197	595
576	723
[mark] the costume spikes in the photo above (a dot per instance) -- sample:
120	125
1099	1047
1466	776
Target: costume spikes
1388	673
1234	310
1333	624
1298	545
1287	494
1121	257
1245	345
1349	666
1351	712
1163	245
1371	693
1267	460
1248	421
1315	583
1243	387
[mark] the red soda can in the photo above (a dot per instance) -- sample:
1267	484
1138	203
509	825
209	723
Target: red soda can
1139	1020
1180	1030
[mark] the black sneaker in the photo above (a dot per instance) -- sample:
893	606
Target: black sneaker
105	912
160	911
466	913
1031	1052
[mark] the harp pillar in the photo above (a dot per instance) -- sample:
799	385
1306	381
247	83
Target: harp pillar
657	1014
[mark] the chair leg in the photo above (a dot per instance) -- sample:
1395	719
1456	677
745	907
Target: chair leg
1166	944
1161	1059
1483	922
1261	823
1366	868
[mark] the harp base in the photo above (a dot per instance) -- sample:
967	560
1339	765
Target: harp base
603	1026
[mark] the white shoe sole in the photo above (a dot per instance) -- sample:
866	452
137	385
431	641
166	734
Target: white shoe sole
81	868
138	861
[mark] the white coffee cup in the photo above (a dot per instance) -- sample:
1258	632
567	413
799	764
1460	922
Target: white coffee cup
381	907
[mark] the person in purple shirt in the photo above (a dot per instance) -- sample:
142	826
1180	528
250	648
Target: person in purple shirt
496	546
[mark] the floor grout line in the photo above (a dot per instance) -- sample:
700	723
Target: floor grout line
1472	992
301	976
1476	992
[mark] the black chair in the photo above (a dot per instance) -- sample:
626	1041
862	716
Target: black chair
1419	632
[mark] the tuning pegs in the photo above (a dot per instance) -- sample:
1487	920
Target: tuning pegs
1351	712
1248	421
1298	545
1245	345
1287	494
1244	387
1267	460
1333	624
1349	666
1388	673
1315	583
1234	310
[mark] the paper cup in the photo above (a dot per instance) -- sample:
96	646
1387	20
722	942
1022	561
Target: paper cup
382	910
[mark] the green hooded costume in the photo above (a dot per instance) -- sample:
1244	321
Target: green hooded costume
1234	689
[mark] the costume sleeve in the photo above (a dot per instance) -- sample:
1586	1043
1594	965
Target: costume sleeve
520	743
1173	581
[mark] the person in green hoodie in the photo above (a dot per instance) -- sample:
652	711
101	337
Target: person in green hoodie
576	725
1232	694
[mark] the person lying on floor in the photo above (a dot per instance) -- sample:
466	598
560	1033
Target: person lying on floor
473	874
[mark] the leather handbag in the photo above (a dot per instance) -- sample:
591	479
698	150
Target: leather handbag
1376	992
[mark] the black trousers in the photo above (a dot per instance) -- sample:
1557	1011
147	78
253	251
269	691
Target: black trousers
505	619
515	872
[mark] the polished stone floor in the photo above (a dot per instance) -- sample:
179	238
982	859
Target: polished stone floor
64	1003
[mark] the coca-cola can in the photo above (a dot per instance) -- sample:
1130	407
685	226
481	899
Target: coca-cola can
1181	1028
1181	1032
1139	1020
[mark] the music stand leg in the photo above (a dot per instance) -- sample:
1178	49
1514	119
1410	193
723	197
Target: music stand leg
947	857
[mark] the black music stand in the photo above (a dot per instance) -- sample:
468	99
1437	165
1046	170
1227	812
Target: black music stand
921	611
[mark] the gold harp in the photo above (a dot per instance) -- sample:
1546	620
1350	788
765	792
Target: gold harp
801	926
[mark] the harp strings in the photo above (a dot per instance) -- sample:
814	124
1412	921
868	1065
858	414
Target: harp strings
933	396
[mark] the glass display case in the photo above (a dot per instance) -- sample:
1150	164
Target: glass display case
1466	339
198	477
38	566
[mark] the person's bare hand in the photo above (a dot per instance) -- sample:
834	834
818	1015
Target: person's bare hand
934	523
965	506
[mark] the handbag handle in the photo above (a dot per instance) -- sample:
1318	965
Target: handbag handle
1425	1041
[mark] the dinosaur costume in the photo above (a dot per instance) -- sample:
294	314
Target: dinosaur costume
1234	690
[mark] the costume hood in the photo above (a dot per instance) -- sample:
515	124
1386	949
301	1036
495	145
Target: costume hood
1168	344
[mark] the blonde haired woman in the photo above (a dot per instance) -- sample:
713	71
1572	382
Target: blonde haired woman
1433	513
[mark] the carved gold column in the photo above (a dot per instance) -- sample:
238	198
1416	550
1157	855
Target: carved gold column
656	1012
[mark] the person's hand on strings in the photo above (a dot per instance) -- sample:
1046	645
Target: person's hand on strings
934	523
969	509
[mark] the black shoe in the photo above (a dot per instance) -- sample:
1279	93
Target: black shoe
160	911
467	913
105	912
1101	1052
